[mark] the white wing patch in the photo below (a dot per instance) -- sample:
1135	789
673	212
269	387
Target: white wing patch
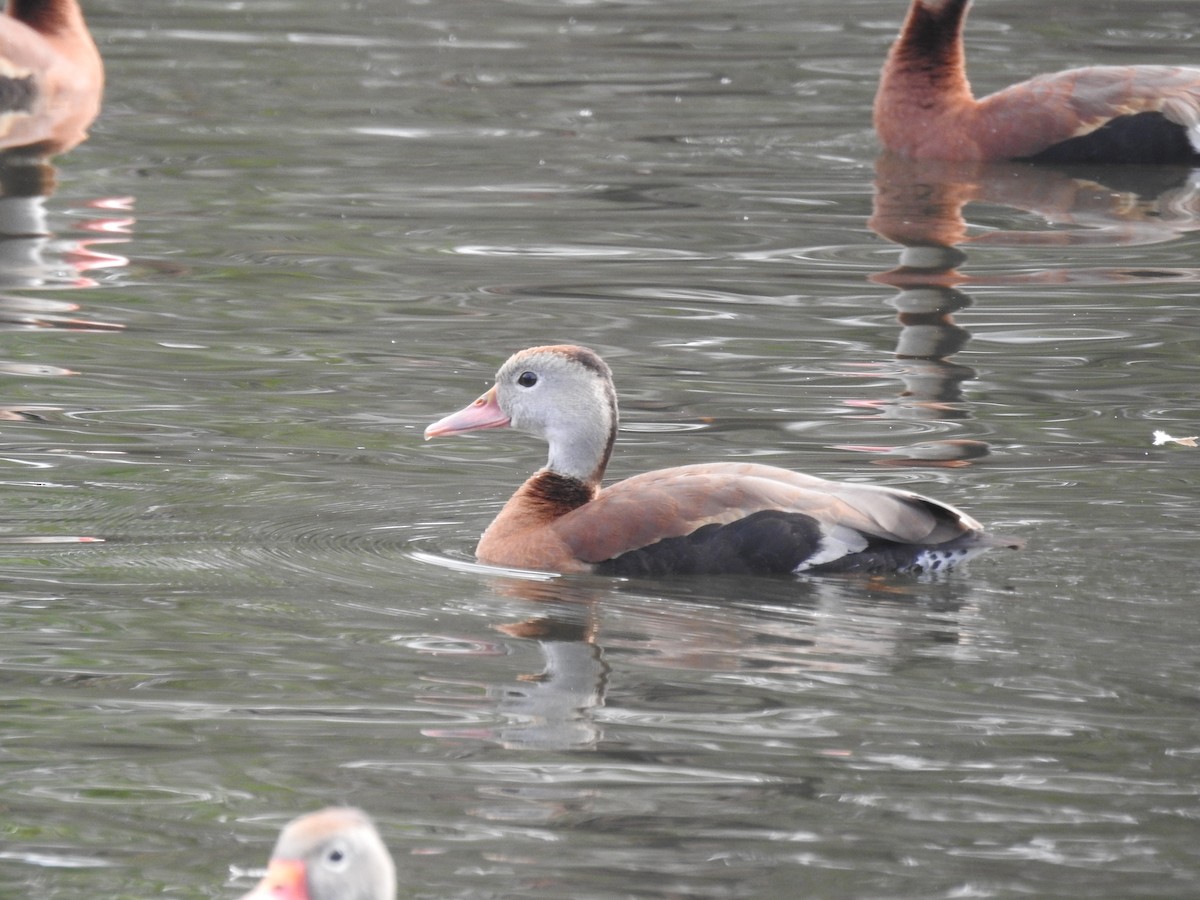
836	541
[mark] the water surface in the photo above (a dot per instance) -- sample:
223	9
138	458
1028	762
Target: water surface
301	231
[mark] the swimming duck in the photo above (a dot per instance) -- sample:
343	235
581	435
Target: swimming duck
924	108
51	76
332	854
710	518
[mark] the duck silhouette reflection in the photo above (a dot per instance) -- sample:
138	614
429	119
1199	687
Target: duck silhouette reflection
922	205
594	640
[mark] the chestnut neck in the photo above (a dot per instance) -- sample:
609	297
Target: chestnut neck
554	494
927	58
46	16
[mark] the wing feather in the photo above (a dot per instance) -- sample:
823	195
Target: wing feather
1028	117
674	502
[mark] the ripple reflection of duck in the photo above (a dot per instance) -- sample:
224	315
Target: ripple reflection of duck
921	205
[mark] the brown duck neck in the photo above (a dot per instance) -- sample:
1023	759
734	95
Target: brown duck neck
925	71
548	495
46	16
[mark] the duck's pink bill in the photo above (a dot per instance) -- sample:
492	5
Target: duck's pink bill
483	413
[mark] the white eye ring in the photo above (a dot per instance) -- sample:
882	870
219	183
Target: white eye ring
336	858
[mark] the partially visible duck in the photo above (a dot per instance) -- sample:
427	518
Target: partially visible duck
698	519
1099	114
51	76
332	854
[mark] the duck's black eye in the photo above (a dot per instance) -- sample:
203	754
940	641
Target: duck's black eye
336	857
527	379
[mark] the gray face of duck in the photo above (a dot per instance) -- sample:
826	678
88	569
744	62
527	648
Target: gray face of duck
565	396
333	854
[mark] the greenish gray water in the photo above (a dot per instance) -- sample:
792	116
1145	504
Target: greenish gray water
301	231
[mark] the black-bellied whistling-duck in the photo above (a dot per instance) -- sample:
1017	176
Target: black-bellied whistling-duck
699	519
51	76
1099	114
332	854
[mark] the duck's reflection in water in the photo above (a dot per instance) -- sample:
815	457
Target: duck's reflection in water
36	267
35	262
32	256
922	206
739	631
